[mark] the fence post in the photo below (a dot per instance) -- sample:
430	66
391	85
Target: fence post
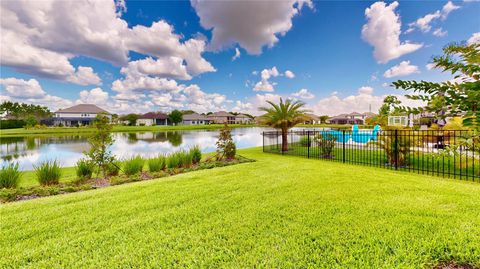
263	141
396	149
343	147
308	144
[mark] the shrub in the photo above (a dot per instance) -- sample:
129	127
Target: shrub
156	164
48	173
113	168
11	124
225	146
305	141
186	159
133	166
397	148
174	160
326	144
9	176
196	154
84	169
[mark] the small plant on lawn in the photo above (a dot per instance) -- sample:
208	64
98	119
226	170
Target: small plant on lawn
305	141
326	144
9	176
397	148
196	154
100	142
133	166
84	169
48	173
113	168
174	160
156	164
186	159
226	148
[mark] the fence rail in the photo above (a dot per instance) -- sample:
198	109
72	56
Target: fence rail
451	153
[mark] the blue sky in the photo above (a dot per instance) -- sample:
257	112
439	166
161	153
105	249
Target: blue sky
111	54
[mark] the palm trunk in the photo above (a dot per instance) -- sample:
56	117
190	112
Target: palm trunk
284	140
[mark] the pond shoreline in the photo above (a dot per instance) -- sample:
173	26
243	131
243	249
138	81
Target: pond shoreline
116	129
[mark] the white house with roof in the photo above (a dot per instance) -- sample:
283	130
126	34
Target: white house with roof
243	119
222	117
78	115
195	119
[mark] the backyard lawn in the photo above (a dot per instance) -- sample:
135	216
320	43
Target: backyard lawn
281	211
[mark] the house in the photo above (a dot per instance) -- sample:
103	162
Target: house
312	119
352	118
242	119
152	118
195	119
222	117
78	115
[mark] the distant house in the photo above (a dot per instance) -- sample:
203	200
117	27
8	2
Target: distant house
78	115
243	119
195	119
222	117
312	119
352	118
152	118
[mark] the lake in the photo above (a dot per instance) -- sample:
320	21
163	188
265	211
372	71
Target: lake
67	149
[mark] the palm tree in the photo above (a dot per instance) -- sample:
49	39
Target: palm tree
284	116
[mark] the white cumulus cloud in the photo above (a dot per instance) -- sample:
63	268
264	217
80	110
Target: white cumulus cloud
303	94
424	23
474	39
404	68
251	24
382	31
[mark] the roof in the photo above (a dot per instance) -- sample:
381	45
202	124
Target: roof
221	114
154	115
313	116
242	116
83	108
194	116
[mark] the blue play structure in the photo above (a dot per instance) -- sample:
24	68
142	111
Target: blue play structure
357	135
364	136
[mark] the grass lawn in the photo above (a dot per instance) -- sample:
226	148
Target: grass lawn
281	211
116	128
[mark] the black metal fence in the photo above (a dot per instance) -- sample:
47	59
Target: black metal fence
443	153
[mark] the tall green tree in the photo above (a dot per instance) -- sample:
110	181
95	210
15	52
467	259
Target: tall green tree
24	111
100	143
460	96
130	118
388	106
175	117
284	116
324	118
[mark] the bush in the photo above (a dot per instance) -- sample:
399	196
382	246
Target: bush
305	141
133	165
9	176
326	144
48	173
186	158
11	124
225	146
84	169
174	160
113	168
196	154
156	164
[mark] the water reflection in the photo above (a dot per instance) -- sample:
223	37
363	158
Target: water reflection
29	151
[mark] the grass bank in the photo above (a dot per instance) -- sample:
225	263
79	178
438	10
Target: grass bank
281	211
117	128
